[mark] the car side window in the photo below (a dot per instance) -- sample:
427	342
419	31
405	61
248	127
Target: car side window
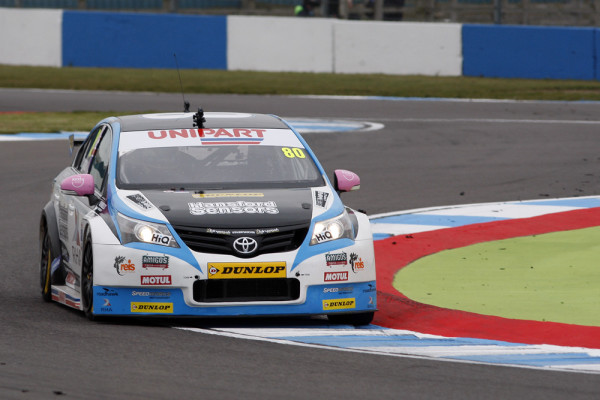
86	152
101	158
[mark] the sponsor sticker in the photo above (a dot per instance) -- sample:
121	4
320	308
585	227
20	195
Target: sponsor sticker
336	258
275	269
356	262
140	201
107	292
335	276
155	279
163	308
213	136
339	304
70	279
123	267
233	207
232	136
203	137
161	239
242	232
63	218
76	254
321	198
77	181
267	231
347	289
219	231
370	289
155	262
213	195
323	236
151	294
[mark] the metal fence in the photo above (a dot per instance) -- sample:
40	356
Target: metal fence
519	12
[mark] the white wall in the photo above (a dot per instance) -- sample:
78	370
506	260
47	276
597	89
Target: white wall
398	48
31	37
330	45
279	44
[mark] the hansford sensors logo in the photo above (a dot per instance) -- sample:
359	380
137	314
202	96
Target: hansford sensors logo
233	207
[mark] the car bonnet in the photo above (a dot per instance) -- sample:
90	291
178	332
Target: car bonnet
234	209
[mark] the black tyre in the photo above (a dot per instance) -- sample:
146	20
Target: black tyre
87	280
45	266
352	319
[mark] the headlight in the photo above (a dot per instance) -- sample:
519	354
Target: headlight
332	229
135	230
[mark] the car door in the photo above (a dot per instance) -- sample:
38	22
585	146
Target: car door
92	159
63	202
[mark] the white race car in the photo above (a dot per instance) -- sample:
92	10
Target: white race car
194	214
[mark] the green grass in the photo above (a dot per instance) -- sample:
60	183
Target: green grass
551	277
50	121
248	82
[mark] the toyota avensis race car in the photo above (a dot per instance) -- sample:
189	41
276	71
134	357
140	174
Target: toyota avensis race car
193	214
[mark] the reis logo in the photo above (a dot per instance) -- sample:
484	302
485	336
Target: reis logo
123	267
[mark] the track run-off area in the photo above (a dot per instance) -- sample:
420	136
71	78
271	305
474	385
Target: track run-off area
467	174
413	326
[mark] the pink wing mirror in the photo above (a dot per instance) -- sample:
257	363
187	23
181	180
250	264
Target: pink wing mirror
81	185
345	181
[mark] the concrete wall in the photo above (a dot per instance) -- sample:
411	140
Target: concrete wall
279	44
141	40
329	45
30	37
398	48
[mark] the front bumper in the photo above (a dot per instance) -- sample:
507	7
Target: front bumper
138	281
320	299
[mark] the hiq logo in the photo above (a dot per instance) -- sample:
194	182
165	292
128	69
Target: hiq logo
323	236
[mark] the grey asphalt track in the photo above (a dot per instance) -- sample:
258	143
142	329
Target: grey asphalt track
428	154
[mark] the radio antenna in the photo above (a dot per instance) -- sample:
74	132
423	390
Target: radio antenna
186	105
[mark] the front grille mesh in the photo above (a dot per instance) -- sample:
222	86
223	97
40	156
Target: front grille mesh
233	290
276	241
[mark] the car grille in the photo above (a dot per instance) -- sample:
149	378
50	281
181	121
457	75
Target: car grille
214	241
233	290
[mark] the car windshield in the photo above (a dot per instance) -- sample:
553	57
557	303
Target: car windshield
217	167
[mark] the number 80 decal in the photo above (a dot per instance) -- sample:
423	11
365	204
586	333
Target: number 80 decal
293	152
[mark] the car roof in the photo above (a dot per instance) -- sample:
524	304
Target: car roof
185	121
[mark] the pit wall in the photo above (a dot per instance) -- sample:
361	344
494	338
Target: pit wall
60	38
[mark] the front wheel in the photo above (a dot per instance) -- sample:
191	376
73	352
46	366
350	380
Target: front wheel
87	280
46	266
352	319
